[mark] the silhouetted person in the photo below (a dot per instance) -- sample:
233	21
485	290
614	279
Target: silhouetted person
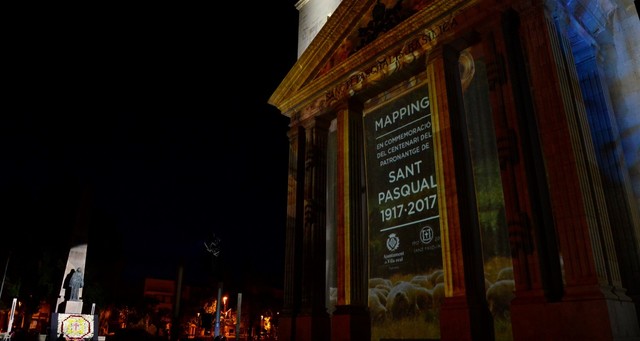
75	283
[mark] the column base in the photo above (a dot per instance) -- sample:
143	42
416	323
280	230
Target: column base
315	327
350	323
461	322
587	319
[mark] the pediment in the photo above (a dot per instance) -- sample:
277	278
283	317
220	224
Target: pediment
356	32
321	49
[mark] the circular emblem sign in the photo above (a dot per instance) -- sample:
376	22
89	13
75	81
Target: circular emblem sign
76	327
426	234
393	242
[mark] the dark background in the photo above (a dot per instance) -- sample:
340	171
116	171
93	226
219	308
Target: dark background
148	129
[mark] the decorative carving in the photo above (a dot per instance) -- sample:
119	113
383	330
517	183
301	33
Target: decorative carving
507	149
385	66
520	234
309	211
383	20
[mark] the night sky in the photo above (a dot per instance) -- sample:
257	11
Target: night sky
151	125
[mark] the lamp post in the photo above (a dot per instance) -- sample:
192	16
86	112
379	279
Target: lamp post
214	249
261	325
217	324
6	266
238	317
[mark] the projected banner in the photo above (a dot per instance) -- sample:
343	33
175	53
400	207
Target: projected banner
402	188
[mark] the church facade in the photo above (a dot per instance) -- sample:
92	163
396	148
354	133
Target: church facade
464	170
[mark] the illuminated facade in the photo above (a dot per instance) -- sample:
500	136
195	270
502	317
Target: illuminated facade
464	170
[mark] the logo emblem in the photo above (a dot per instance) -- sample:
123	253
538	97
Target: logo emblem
426	234
393	242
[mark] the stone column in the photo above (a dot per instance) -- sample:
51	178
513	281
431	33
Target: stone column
313	322
610	155
537	269
350	320
591	306
464	314
293	243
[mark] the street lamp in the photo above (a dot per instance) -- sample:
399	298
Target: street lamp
5	274
224	301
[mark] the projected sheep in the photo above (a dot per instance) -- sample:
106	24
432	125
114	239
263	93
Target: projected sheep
406	299
377	308
376	281
422	280
382	292
505	273
437	276
499	296
437	294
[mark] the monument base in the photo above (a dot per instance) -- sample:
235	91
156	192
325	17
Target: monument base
74	326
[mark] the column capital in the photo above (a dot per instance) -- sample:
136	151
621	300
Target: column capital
319	122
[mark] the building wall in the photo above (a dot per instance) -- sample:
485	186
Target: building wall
313	14
554	185
621	48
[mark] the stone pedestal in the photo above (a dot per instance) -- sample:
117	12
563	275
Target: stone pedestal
71	307
350	323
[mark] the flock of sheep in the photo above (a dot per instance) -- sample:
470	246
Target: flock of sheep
423	293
